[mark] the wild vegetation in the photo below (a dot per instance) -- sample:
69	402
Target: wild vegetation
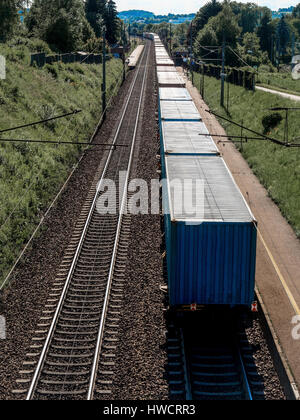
66	25
278	168
32	173
282	81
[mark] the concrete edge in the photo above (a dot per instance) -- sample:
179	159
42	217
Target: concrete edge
284	372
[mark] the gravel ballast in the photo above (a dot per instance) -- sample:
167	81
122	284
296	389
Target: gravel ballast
142	356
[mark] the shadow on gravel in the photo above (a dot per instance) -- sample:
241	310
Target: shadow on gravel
211	358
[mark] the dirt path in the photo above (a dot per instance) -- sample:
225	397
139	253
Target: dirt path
278	253
277	92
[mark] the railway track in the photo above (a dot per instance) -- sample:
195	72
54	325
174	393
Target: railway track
215	363
72	355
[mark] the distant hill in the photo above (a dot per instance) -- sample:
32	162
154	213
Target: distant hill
282	12
149	17
135	15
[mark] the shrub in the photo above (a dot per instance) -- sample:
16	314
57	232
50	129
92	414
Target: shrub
52	70
271	121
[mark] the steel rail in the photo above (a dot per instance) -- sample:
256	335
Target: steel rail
115	250
239	363
42	357
246	384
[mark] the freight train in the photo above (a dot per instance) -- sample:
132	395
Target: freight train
211	252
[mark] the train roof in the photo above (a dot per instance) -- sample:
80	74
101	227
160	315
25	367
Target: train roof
179	111
183	138
172	79
223	201
161	61
174	94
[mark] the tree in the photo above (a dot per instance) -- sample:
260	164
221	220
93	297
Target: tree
179	33
95	11
163	31
61	23
112	22
250	50
9	18
210	9
283	36
296	11
249	17
265	34
225	26
206	37
295	23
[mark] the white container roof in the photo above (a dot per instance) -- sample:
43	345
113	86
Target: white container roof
174	94
179	110
164	62
221	199
183	138
166	68
170	79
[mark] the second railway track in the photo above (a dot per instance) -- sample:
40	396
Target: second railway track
72	355
215	363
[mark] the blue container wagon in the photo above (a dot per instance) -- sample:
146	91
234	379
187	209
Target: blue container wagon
211	252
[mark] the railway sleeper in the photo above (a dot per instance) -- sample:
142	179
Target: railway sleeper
62	392
65	383
58	373
70	356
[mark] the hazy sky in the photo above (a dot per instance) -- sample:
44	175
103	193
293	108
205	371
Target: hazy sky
189	6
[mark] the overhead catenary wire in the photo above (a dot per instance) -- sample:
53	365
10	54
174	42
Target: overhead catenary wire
57	143
61	136
85	58
10	271
28	188
271	139
242	60
41	121
234	137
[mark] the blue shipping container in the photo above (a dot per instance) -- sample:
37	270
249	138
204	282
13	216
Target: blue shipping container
211	258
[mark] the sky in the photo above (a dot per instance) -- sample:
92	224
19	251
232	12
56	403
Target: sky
163	7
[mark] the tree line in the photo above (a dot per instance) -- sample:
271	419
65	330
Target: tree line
248	30
66	25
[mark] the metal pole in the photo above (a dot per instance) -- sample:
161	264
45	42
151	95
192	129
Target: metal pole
242	134
203	82
223	72
200	83
123	58
191	52
286	128
170	38
227	94
104	73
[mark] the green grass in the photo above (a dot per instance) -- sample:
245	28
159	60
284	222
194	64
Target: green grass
31	174
280	81
278	168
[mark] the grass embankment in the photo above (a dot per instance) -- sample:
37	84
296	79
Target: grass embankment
279	81
31	174
278	168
